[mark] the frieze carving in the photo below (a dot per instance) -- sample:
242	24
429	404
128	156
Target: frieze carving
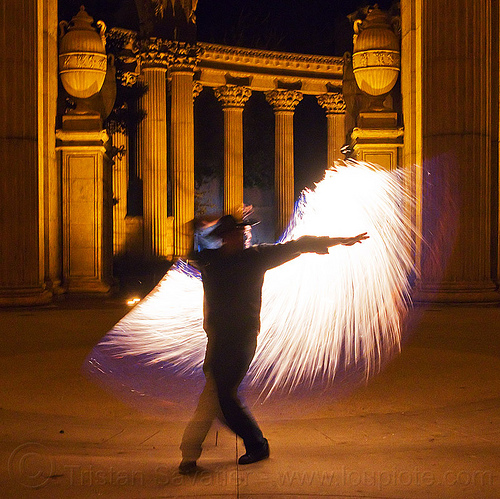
332	103
375	58
168	53
80	60
285	59
283	100
232	95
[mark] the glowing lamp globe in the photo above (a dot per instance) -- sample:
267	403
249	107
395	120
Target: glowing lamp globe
82	56
376	54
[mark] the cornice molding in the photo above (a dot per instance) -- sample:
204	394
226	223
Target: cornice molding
240	55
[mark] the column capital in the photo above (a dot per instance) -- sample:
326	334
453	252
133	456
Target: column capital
197	89
332	102
283	100
176	56
232	95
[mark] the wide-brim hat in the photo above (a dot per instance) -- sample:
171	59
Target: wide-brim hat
228	223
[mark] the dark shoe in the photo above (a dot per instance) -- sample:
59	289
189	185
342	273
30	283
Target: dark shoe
188	468
256	455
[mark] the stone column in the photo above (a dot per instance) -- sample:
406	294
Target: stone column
120	183
26	51
284	103
233	100
182	61
152	155
52	172
334	105
459	149
411	92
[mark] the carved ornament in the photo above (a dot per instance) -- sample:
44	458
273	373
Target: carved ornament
82	56
283	100
269	58
69	62
197	89
332	103
168	53
123	44
376	58
232	95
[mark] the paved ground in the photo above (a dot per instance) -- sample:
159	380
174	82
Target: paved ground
427	427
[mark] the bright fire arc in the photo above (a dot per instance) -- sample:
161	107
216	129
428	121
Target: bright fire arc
320	313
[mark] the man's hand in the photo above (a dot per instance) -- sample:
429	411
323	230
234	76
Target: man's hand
349	241
320	244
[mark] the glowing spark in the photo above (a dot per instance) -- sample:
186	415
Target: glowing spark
319	312
133	301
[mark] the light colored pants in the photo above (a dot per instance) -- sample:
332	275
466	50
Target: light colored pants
196	431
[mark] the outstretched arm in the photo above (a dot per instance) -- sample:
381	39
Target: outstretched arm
277	254
315	244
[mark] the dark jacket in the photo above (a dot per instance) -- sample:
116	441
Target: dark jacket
233	285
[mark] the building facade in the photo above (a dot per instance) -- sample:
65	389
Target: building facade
63	210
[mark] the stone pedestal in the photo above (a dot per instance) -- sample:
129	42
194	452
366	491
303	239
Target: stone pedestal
377	139
86	211
284	103
233	100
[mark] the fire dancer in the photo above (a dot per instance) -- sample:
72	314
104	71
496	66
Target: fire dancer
233	276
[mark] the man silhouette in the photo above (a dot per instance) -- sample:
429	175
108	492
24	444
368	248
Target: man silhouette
233	276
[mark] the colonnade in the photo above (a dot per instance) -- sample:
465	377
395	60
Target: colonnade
172	64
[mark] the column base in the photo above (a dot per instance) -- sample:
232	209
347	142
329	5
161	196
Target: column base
457	293
56	288
24	297
88	286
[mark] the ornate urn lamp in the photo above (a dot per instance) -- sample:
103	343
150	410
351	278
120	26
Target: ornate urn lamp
376	56
82	58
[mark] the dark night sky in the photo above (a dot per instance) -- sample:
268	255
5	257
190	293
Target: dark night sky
306	26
